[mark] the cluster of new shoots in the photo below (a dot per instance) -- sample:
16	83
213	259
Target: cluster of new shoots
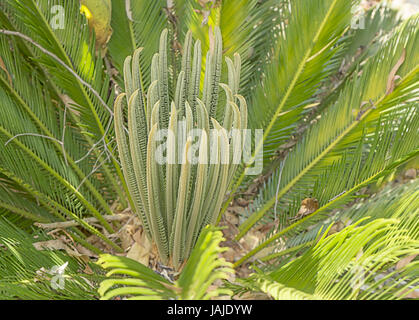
179	157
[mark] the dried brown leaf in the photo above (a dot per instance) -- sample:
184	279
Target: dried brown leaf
56	244
3	67
391	82
405	261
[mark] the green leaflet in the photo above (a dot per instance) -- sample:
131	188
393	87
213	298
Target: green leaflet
154	185
137	128
165	155
195	76
163	79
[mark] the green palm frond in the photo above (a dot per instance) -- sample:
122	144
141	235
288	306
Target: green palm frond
39	154
356	263
340	128
357	46
26	273
87	86
388	203
297	69
133	280
298	66
75	50
336	186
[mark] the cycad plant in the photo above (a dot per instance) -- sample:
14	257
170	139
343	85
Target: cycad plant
95	133
174	194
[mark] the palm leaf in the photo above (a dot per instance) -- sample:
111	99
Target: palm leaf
89	90
341	126
388	203
352	264
299	65
337	185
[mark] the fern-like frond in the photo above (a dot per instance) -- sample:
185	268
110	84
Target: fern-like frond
298	66
38	150
388	203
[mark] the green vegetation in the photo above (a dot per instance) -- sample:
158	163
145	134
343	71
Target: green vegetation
88	212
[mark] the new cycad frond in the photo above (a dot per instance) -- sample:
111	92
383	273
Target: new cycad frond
178	157
203	268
